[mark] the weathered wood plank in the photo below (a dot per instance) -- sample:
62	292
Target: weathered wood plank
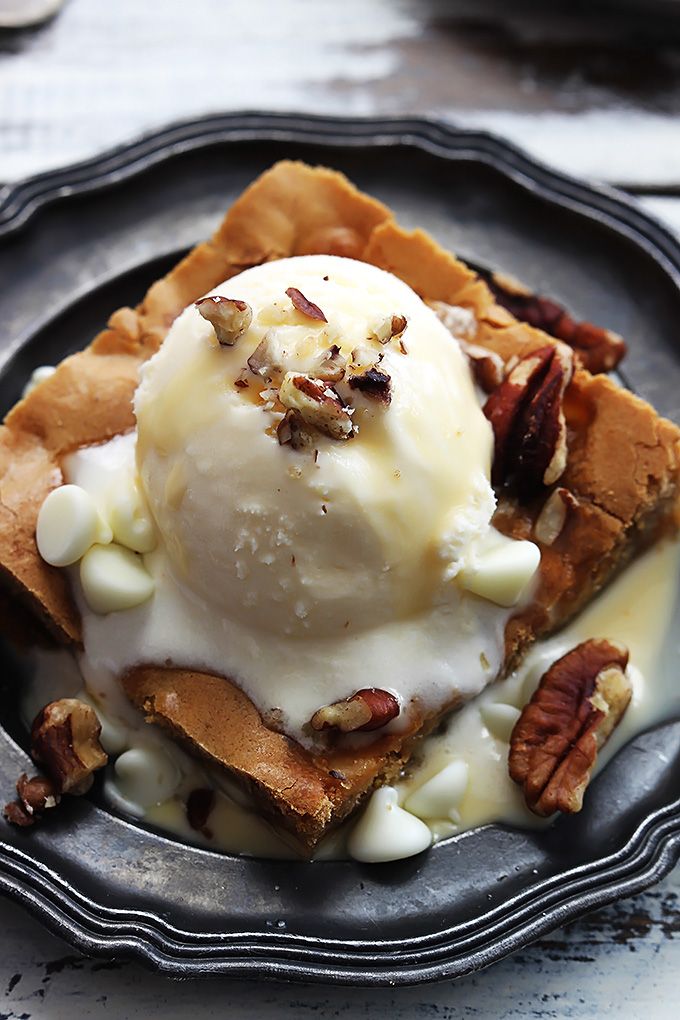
588	94
620	961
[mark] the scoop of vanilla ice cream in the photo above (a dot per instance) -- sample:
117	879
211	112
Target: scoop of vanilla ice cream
351	534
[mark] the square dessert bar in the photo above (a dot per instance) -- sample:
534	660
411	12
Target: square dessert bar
618	493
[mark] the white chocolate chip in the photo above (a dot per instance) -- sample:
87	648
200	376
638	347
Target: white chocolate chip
68	524
37	376
440	796
499	719
502	570
385	832
146	776
130	519
114	578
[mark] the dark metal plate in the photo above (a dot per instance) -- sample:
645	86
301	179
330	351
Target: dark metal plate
77	243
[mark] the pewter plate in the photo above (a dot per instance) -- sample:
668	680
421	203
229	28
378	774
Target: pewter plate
79	242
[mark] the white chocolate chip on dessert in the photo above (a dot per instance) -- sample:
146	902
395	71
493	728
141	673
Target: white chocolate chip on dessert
130	519
440	796
499	719
385	832
68	524
502	570
114	578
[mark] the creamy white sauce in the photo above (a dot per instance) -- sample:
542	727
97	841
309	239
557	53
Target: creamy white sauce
416	656
639	609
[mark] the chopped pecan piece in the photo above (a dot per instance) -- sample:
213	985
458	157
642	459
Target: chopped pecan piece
487	366
65	740
527	417
36	795
292	430
554	745
305	306
229	317
16	814
390	328
330	366
373	383
368	709
600	350
266	358
553	516
318	405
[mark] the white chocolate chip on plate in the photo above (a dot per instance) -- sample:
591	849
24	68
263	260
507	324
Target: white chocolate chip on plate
499	719
68	524
114	578
146	776
440	796
385	832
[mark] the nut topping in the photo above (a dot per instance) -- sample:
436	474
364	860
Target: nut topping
292	430
229	317
600	350
331	365
373	383
36	795
526	414
487	366
553	515
305	306
390	328
368	709
263	360
554	744
65	740
318	405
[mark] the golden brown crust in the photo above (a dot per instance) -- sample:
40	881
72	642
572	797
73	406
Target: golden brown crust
294	209
305	794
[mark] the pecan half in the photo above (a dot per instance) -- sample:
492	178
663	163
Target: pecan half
577	705
65	740
318	405
600	350
368	709
553	516
527	417
229	317
292	430
373	383
305	306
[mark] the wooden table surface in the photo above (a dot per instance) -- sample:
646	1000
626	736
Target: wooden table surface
597	96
